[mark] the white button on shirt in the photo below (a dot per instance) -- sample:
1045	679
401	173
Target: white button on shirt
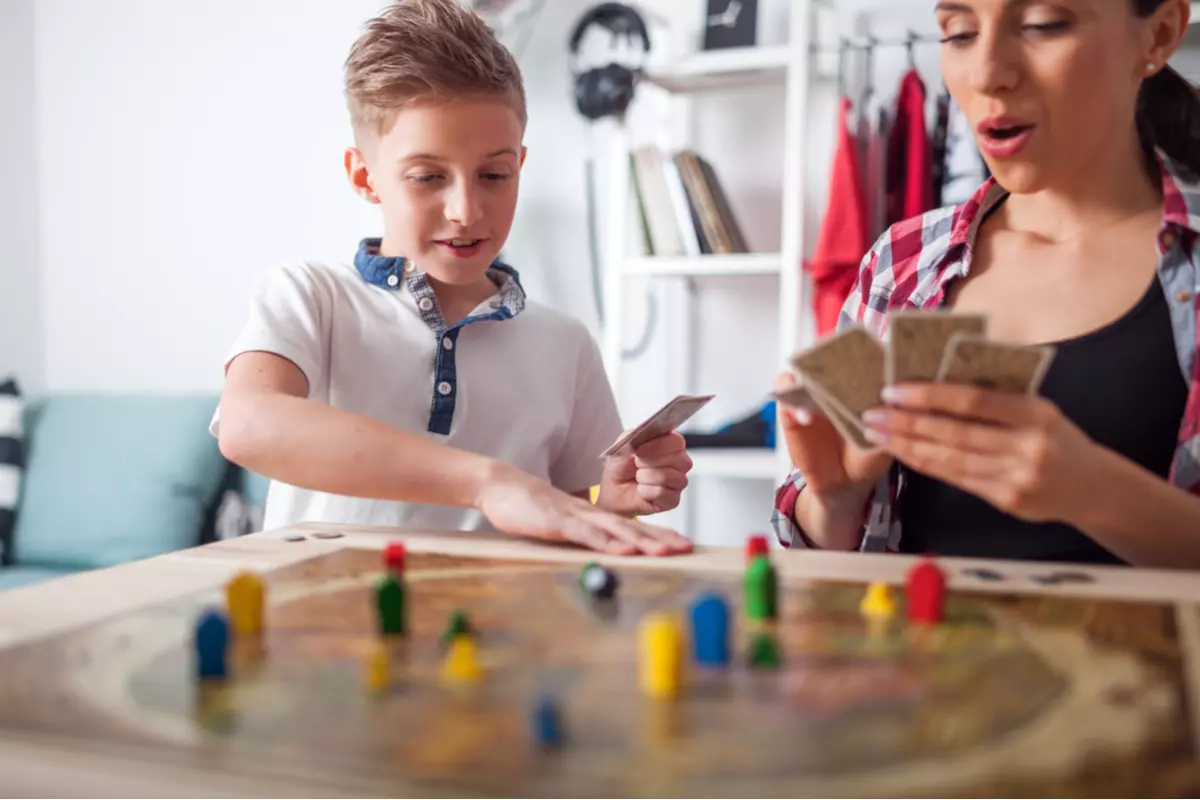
530	390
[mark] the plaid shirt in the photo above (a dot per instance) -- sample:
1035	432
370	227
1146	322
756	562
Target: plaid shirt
914	261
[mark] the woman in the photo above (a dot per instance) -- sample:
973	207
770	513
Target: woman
1085	238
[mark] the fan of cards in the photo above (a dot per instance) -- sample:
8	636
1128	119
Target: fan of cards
843	375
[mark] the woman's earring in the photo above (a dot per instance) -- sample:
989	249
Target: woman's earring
1151	67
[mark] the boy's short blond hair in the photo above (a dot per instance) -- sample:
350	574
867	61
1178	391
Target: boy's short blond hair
426	51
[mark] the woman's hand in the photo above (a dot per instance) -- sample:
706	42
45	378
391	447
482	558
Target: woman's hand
827	462
1017	452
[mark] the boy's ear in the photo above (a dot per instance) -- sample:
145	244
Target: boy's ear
359	175
524	151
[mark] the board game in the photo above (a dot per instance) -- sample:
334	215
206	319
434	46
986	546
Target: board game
1005	695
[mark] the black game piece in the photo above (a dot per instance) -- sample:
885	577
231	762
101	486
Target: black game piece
598	581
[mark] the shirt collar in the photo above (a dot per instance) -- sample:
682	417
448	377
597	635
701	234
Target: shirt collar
389	271
1181	204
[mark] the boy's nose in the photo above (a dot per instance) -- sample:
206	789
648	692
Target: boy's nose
462	207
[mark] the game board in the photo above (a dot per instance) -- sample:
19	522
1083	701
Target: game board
1011	696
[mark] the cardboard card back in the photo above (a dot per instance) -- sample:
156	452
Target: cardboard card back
848	368
999	366
917	342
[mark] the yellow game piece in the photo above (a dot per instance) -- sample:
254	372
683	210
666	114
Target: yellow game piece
661	657
878	602
245	595
462	660
377	674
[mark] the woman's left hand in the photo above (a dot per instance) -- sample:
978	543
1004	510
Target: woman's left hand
1017	452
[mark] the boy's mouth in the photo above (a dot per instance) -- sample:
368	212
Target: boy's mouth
461	247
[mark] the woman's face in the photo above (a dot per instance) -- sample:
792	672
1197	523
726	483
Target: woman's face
1049	86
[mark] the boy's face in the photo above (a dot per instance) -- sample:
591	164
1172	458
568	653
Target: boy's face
446	177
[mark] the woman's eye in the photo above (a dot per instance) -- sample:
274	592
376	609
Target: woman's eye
1048	27
958	38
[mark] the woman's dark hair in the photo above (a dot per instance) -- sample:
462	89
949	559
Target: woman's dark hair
1168	108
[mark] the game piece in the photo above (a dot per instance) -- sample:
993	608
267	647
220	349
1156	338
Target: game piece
294	537
926	593
598	581
983	574
756	545
327	535
212	645
394	556
999	366
917	342
547	724
244	595
760	589
764	652
462	661
389	598
377	673
458	625
661	656
878	602
710	630
660	423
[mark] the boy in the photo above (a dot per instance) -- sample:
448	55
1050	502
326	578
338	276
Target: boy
419	387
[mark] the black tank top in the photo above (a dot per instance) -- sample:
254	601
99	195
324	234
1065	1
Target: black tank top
1122	385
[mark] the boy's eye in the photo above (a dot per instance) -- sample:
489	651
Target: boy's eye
425	178
496	176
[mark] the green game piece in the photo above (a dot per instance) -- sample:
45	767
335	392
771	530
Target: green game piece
760	589
764	652
389	596
457	626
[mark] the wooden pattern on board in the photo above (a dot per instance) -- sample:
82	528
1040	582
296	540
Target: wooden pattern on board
1013	696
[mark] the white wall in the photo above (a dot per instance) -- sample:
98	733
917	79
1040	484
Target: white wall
183	149
21	328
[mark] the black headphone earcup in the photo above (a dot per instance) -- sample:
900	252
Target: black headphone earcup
604	92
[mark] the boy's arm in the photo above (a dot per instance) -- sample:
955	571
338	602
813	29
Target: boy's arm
269	426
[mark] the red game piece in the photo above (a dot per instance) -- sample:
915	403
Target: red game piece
926	593
756	545
393	557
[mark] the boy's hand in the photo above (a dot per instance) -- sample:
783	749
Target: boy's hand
647	482
517	503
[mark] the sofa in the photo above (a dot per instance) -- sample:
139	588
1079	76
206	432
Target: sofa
108	479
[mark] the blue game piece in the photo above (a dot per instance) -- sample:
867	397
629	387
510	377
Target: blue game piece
547	724
212	645
710	630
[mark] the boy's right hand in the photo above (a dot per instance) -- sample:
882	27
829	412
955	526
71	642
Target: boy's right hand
517	503
827	462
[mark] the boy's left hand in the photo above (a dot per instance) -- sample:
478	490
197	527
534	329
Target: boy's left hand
649	481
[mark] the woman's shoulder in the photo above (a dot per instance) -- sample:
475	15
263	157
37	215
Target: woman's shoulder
912	253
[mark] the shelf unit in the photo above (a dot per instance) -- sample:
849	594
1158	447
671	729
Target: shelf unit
787	68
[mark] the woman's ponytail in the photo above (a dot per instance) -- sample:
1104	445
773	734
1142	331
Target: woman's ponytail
1168	108
1168	117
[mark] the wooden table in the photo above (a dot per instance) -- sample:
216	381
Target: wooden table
51	764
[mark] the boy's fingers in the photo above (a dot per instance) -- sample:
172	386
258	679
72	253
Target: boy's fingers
596	538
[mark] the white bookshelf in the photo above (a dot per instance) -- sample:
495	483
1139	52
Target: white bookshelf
787	69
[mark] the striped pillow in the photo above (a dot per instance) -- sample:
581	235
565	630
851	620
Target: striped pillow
12	464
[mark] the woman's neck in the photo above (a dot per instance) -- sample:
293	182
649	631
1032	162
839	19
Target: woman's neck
1114	187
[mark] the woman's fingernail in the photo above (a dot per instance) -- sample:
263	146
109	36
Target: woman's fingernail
892	394
802	416
875	436
874	416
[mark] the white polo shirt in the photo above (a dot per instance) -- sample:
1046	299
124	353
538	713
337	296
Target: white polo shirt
515	380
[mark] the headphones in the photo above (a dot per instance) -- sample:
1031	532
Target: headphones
607	91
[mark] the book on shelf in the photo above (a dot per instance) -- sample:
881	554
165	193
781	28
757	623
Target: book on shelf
682	206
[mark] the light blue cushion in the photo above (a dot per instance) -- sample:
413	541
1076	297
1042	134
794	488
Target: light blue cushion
115	478
12	577
254	488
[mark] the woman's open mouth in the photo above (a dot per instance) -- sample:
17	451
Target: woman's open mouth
1004	137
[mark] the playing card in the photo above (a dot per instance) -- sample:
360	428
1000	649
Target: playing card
849	427
660	423
847	368
1000	366
797	397
917	342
